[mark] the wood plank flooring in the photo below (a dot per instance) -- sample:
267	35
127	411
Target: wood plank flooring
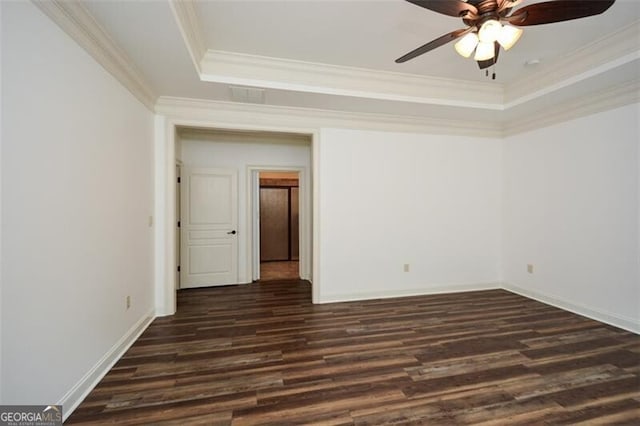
263	354
285	270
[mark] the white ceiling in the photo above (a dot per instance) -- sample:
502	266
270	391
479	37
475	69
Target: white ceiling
339	55
373	33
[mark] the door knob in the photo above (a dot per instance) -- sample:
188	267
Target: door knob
231	232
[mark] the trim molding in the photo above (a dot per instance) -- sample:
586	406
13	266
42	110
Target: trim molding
286	74
304	119
574	79
189	26
625	323
90	380
599	57
613	51
610	98
423	291
75	20
265	116
596	58
235	135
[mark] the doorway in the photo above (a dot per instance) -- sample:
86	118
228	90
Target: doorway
279	226
246	149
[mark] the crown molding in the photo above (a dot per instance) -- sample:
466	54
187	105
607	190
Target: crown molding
613	97
610	52
231	114
235	135
570	80
75	20
189	26
614	50
287	74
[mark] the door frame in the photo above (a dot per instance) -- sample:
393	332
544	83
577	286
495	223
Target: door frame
164	232
178	231
253	220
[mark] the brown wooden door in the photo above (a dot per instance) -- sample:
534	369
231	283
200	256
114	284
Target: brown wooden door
274	224
279	231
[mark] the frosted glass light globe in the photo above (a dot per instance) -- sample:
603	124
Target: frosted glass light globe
508	36
484	51
489	31
467	44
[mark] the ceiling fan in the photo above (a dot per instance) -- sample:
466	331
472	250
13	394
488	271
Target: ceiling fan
485	32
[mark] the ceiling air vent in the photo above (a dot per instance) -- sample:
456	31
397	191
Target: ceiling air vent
247	94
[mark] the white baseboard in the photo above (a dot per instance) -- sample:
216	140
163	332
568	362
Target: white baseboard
615	320
79	392
421	291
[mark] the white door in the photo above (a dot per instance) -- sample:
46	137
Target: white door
209	210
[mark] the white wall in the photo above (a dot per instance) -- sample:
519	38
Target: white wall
240	152
388	199
77	193
1	116
571	198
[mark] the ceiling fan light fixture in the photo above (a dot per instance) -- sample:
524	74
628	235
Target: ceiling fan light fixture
509	35
484	23
489	31
484	51
467	45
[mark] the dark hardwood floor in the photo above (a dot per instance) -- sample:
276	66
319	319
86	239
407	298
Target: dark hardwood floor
263	354
284	270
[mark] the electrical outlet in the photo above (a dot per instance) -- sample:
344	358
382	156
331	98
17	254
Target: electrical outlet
530	268
128	302
406	267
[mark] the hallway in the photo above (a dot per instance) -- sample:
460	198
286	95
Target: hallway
285	270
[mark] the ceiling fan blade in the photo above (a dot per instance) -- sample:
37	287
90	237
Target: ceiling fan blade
440	41
558	11
492	61
454	8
